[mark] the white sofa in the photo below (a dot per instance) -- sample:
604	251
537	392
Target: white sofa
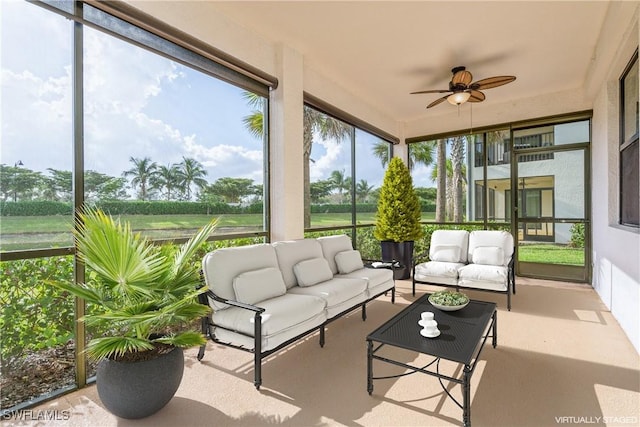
481	259
266	296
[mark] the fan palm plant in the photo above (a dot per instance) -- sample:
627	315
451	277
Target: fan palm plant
139	291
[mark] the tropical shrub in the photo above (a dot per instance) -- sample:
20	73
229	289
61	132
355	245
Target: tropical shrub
137	290
577	236
34	315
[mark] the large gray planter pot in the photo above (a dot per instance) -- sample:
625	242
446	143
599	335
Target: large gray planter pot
398	251
138	389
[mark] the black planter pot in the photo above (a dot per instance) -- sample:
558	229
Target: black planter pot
398	251
138	389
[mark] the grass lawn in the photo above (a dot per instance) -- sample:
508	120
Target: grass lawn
55	231
551	254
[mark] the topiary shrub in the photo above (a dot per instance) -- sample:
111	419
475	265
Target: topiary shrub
399	212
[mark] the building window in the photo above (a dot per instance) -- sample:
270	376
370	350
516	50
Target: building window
629	157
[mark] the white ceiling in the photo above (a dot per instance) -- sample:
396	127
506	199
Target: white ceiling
382	50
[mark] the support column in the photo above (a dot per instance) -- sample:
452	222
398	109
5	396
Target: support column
401	150
286	169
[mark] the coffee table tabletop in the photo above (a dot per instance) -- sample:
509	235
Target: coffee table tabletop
460	331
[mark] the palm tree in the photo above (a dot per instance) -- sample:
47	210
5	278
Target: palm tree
167	178
382	151
421	152
314	123
457	158
340	182
191	172
452	187
441	181
363	190
142	172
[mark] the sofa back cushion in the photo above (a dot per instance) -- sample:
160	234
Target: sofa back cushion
349	261
332	246
291	252
254	286
449	246
490	247
222	266
312	271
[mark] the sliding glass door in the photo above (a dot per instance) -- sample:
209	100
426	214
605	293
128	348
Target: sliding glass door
550	184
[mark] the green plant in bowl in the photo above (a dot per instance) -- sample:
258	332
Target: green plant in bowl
448	300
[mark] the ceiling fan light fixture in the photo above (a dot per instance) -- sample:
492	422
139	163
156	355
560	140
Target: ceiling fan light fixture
458	98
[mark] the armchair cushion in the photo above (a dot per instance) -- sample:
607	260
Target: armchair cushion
349	261
449	246
254	286
492	238
445	253
488	255
312	271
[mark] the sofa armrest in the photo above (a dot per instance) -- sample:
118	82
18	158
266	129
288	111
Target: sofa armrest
377	263
234	303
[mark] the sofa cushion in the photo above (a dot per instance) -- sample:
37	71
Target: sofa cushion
312	271
291	252
378	279
254	286
284	317
445	253
348	261
221	267
332	245
339	293
488	255
373	276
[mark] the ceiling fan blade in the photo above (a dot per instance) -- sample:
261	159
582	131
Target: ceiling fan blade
431	91
476	96
462	77
490	82
437	101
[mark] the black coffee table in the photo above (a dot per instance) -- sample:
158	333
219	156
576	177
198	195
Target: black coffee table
462	337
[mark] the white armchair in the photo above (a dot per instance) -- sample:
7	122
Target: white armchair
482	260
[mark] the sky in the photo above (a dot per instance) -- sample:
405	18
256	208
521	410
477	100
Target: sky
136	103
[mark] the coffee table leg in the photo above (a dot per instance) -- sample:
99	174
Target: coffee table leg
495	329
369	367
466	397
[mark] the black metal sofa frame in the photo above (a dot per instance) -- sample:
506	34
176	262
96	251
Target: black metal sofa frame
207	323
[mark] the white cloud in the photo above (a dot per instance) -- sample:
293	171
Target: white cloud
36	123
322	166
136	104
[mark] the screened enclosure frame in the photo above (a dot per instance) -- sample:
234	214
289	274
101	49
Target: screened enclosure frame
124	22
546	271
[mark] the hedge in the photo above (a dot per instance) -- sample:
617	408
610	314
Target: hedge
43	208
159	207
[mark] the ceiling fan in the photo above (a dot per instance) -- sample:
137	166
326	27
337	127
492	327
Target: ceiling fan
462	90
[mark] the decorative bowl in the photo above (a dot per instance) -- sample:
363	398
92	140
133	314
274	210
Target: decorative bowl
448	300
